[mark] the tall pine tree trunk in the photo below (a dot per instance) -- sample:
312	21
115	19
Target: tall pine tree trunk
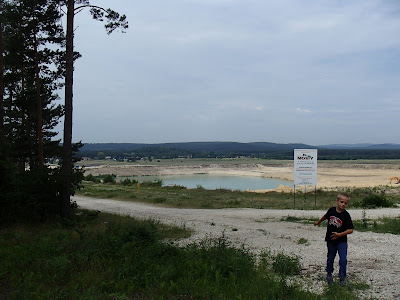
67	143
39	106
1	79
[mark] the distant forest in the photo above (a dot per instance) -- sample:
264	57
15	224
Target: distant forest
133	152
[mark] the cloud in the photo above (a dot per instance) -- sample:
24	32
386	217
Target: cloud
230	69
303	110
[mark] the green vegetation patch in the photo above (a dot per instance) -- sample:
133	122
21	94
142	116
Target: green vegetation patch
178	196
297	220
101	256
382	225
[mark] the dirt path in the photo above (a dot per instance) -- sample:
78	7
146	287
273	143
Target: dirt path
373	258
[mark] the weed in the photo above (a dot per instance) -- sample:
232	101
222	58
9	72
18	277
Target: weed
291	219
297	220
159	200
286	265
364	219
302	241
383	225
56	263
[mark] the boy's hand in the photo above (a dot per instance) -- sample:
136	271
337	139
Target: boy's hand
316	223
335	236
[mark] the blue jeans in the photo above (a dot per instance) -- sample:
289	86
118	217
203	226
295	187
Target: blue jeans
341	248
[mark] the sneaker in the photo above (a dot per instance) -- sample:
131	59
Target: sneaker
329	278
342	282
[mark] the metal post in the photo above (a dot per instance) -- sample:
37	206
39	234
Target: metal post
294	196
315	195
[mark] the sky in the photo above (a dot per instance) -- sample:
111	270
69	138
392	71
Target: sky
283	71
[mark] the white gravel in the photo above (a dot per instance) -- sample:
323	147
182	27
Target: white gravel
373	258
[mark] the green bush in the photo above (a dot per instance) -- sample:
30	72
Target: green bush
286	265
109	178
376	200
159	200
92	178
154	183
128	182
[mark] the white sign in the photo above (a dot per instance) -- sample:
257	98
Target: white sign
305	166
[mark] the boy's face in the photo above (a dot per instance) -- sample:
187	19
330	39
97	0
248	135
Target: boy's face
342	203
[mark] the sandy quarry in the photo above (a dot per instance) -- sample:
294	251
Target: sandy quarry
373	258
330	174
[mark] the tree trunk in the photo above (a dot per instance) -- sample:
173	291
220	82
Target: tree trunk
39	106
67	143
1	79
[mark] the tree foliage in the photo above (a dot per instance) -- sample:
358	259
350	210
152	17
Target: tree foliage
32	41
33	69
36	61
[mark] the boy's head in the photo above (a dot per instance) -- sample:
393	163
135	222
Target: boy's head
342	200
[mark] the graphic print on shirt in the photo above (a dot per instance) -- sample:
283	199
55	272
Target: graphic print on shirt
335	221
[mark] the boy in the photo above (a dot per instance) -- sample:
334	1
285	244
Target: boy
339	226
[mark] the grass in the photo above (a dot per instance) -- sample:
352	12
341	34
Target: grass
382	225
102	256
303	241
297	220
178	196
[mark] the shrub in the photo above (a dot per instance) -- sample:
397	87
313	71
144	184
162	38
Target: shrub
128	181
92	178
155	182
109	178
159	200
286	265
376	200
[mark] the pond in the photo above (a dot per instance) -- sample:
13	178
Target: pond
213	181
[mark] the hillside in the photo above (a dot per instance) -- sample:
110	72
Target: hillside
135	151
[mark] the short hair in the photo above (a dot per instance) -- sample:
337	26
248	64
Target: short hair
342	195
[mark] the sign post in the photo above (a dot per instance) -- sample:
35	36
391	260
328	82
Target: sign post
305	169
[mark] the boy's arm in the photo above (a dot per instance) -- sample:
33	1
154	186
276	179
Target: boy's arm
323	218
336	235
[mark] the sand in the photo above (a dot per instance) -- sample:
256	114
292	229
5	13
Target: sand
329	174
373	258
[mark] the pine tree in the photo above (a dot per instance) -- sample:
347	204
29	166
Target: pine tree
114	21
32	77
33	70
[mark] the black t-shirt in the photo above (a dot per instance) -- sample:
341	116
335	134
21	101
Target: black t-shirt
337	222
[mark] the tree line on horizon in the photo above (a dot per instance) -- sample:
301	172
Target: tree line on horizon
36	63
134	152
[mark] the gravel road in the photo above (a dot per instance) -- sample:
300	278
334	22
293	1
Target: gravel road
373	258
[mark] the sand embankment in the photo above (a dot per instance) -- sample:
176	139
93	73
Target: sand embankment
330	174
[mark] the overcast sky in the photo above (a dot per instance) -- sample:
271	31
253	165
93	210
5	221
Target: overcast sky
283	71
